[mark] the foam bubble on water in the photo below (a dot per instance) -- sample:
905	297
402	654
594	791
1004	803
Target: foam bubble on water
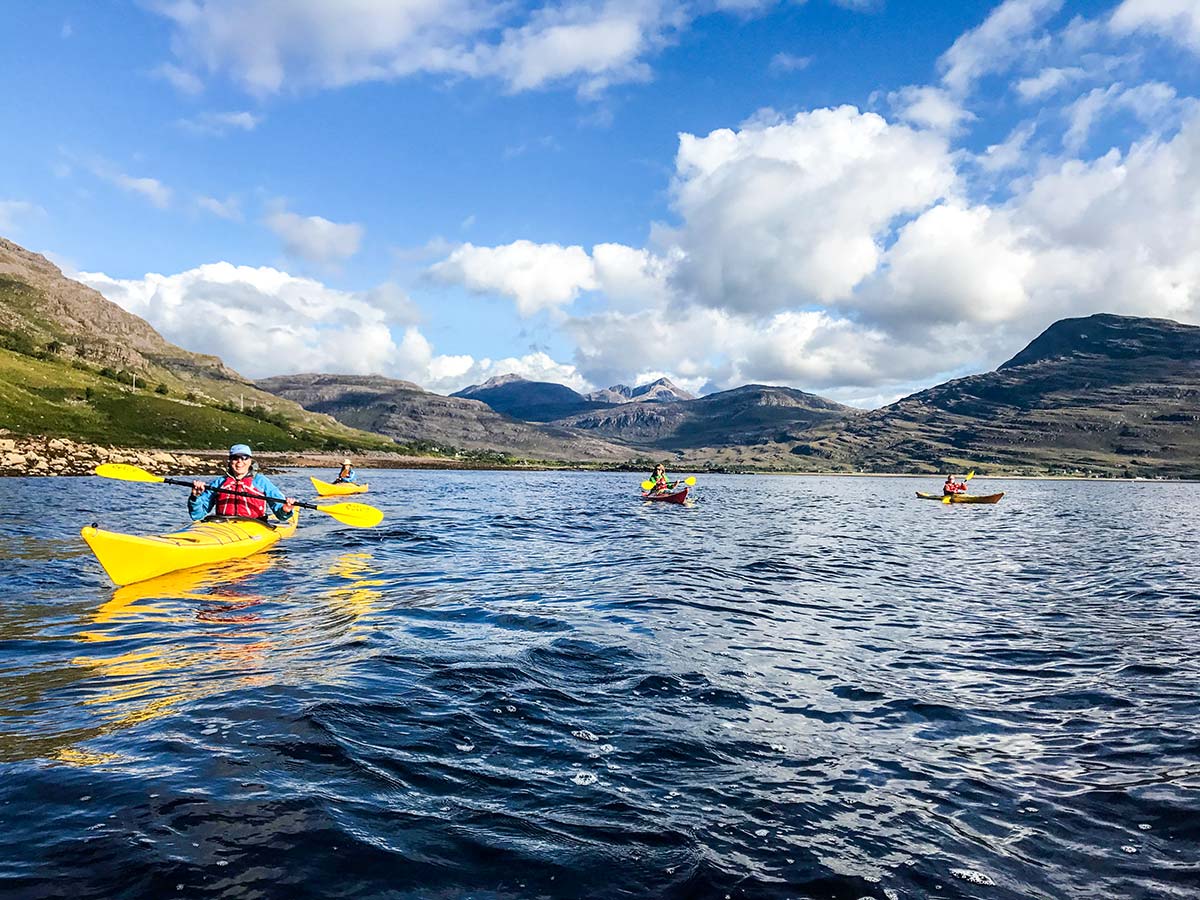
1028	809
762	832
211	729
779	748
585	778
972	876
1130	849
1144	826
584	735
890	894
607	748
465	748
510	709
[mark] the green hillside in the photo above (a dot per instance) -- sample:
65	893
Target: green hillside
52	397
75	365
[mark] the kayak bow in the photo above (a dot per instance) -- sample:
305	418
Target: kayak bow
128	558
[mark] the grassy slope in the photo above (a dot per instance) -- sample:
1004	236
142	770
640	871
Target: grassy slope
50	397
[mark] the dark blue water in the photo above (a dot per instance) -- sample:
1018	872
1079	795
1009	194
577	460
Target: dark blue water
532	685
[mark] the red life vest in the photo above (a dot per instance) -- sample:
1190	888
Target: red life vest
249	501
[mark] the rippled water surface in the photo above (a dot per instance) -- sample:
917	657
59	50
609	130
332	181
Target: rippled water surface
533	685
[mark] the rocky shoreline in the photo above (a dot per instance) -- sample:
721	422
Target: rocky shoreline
38	455
22	455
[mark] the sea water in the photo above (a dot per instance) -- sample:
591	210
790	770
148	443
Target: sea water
532	684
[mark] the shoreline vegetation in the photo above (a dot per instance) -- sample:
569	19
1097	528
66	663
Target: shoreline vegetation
41	455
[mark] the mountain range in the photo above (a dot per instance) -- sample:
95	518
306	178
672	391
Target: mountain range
547	401
1101	395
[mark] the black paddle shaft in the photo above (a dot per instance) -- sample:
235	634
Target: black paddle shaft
218	490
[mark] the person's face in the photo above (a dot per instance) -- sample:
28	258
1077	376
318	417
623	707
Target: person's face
239	465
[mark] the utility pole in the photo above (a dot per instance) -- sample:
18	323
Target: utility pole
133	375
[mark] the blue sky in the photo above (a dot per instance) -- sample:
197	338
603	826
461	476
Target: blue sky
856	198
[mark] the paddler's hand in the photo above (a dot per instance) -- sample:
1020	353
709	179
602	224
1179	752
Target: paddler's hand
289	503
198	488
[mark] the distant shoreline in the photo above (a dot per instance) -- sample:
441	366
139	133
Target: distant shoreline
29	456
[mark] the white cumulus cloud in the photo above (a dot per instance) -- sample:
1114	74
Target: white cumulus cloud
1177	20
537	276
314	238
261	321
782	215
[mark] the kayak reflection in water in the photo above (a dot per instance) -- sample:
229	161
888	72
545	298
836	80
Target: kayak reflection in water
953	487
250	495
347	475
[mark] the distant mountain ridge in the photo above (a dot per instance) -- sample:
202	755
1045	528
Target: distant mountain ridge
661	390
532	401
409	414
1102	394
742	415
548	401
1098	394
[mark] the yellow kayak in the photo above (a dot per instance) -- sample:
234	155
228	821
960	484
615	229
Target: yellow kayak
962	498
128	558
325	489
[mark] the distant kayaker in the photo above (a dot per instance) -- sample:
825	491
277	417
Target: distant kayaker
347	475
659	477
953	487
253	493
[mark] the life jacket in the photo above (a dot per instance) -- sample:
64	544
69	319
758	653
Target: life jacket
249	501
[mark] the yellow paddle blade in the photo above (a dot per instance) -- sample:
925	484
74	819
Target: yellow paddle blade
357	515
690	480
646	485
970	475
946	499
124	472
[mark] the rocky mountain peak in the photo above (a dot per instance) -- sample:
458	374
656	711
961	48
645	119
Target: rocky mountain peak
1112	337
494	382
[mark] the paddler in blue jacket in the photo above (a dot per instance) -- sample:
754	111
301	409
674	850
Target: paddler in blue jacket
251	493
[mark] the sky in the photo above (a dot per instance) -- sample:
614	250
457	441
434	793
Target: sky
857	198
